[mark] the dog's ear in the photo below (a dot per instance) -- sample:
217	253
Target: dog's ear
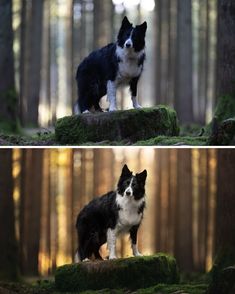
141	177
142	27
126	172
126	23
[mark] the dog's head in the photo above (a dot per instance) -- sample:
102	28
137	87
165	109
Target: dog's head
130	185
132	38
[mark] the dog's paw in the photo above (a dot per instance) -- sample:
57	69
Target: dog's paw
112	257
111	109
138	254
86	111
137	106
86	259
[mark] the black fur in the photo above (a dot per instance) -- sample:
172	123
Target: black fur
102	65
101	214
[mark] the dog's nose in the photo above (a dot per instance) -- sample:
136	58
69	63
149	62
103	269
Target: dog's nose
128	45
128	193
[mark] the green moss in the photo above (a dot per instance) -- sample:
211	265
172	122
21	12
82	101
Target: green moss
167	289
22	140
165	141
223	270
131	273
225	108
132	125
223	133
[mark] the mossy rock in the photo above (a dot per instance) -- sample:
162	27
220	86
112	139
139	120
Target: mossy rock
132	125
223	133
223	281
126	273
225	109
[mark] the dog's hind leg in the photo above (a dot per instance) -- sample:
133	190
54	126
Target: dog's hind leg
77	257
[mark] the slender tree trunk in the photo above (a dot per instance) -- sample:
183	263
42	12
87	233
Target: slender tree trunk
102	28
8	96
8	247
183	221
158	17
36	56
30	209
184	106
226	49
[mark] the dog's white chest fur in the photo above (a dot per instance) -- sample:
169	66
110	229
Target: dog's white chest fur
129	215
128	67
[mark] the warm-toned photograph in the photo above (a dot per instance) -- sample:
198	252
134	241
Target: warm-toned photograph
160	220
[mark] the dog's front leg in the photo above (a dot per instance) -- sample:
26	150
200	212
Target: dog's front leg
111	93
133	88
111	240
133	236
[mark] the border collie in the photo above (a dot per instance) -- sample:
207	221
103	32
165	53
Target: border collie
116	64
104	218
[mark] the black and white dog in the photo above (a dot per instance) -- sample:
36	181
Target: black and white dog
104	218
104	70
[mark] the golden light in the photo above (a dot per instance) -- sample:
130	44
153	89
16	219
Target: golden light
147	5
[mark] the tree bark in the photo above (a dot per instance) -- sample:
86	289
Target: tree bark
226	49
183	221
31	61
8	247
30	209
8	96
184	105
225	216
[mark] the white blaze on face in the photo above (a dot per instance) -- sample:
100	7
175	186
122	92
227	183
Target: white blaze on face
129	42
129	191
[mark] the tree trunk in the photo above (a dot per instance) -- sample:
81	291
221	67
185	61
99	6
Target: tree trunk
30	209
226	49
183	220
225	216
8	96
8	248
31	60
102	24
184	105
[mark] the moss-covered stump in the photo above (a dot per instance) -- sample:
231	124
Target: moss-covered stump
132	125
127	273
223	281
223	133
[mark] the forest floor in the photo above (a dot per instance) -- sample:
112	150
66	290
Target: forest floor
189	136
197	285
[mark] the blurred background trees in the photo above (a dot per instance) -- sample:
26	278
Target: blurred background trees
53	36
190	211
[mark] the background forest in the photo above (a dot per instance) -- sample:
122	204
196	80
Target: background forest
190	204
51	37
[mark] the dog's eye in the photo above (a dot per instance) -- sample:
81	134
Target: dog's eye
128	182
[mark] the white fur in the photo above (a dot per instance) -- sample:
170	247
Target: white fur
135	102
135	250
111	242
128	69
128	217
77	257
111	94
